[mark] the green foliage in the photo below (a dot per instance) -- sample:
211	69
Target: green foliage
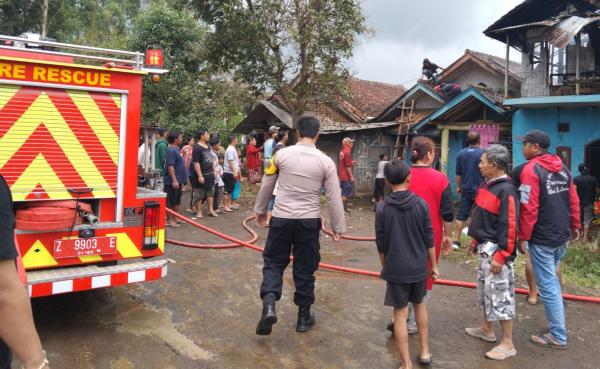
582	266
188	96
91	22
294	47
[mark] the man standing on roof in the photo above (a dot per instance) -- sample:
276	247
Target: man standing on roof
269	144
300	171
468	179
549	213
430	71
345	164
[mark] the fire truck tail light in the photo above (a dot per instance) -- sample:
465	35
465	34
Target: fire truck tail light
151	222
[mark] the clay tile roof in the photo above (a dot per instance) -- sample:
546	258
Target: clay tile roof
370	98
497	63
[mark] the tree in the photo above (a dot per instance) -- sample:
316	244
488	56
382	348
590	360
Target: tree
90	22
296	48
188	96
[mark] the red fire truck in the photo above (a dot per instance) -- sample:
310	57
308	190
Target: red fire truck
69	136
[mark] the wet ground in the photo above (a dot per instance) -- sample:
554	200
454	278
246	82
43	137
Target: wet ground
204	314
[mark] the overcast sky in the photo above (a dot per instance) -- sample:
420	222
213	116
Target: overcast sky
406	31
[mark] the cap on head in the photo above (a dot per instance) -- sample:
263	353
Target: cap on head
273	129
536	136
347	140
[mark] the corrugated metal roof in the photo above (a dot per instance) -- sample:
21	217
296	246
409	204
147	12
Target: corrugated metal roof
562	33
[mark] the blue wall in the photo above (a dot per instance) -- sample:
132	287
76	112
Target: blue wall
584	128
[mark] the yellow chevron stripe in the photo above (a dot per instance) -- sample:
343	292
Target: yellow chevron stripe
125	246
38	256
97	121
39	171
117	99
6	93
43	111
160	237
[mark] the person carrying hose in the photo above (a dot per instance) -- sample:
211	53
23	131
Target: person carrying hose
301	171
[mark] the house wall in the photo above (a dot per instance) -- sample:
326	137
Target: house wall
425	102
476	74
367	148
584	129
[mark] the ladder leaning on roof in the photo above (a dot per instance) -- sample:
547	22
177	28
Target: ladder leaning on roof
404	118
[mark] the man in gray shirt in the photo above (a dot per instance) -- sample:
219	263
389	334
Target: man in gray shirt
301	171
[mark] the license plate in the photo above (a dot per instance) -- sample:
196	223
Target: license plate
75	247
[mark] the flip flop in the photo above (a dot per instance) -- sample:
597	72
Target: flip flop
502	353
478	333
544	340
426	361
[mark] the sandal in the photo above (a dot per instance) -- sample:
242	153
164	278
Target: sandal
425	361
478	333
546	340
498	353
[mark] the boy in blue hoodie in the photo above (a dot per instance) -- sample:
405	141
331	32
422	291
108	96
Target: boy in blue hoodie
404	238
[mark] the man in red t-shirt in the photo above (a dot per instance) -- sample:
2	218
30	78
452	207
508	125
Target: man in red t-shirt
345	164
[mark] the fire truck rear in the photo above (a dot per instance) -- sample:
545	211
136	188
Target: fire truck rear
69	136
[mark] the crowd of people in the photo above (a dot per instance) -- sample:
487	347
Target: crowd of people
536	212
211	173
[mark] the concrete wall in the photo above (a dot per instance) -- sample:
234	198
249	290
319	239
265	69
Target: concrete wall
476	75
367	148
584	129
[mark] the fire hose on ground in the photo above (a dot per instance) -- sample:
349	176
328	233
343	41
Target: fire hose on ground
249	244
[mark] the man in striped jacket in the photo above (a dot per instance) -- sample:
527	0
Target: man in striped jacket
494	233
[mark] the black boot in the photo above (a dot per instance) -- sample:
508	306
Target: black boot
268	317
306	319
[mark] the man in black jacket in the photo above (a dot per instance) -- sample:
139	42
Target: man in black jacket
404	237
494	233
17	329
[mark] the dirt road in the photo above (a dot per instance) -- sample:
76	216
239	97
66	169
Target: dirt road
203	315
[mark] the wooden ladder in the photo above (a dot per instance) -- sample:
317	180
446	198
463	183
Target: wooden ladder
406	115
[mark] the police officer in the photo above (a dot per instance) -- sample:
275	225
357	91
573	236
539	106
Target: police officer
301	171
17	330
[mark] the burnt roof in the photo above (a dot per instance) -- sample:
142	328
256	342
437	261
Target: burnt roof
531	13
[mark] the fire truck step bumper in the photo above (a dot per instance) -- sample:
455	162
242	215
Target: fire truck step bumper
64	280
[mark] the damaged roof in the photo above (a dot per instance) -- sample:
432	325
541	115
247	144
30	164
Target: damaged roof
365	99
559	16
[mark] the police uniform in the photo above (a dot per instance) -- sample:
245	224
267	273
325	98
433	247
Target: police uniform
300	171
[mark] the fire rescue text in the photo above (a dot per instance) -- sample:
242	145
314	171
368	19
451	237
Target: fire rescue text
54	74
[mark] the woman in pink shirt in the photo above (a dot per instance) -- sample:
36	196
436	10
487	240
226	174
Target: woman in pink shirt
186	154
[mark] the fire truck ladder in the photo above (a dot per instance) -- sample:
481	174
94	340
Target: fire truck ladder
88	53
406	115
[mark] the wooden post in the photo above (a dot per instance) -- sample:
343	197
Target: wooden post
45	20
506	66
445	149
577	63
